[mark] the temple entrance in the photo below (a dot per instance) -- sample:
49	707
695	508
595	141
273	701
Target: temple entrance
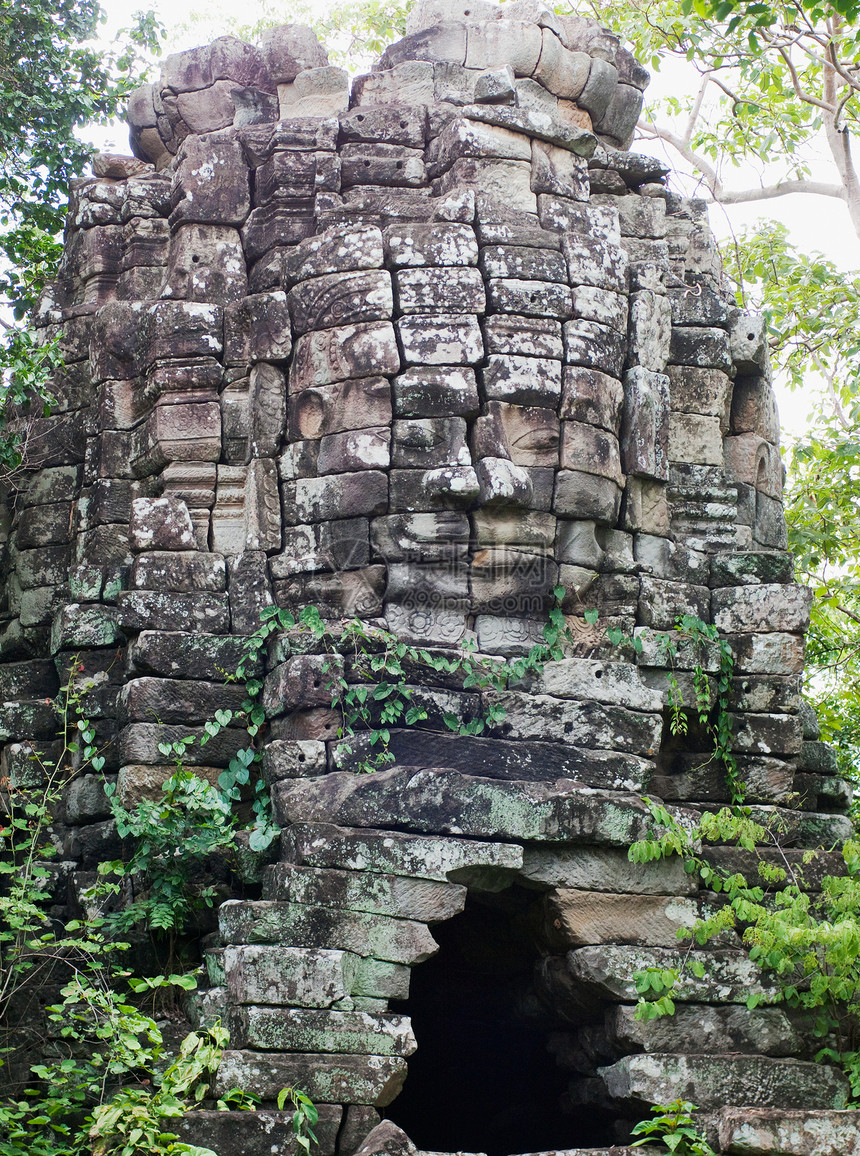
484	1077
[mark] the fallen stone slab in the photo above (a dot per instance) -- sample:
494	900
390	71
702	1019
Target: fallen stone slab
710	1081
763	1132
329	1079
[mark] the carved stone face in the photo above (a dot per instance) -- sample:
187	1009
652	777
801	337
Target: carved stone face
454	408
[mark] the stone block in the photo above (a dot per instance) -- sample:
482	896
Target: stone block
420	537
378	894
469	138
645	424
341	299
529	298
524	336
310	1030
144	781
593	451
523	262
764	608
152	610
423	857
753	408
594	346
392	940
401	126
338	249
754	1080
595	262
649	331
347	595
178	570
341	354
293	759
587	496
580	918
751	459
801	1131
704	348
315	92
347	405
730	975
445	802
302	977
414	245
433	391
503	181
701	391
558	171
524	381
177	701
498	43
440	340
196	197
336	1079
698	1028
592	397
289	49
341	495
409	83
559	70
355	450
604	869
451	290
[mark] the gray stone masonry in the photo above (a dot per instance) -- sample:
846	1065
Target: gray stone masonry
417	349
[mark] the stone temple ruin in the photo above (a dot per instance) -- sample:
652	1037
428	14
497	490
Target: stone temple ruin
419	349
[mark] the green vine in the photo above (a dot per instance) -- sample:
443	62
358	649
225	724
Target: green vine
713	715
377	696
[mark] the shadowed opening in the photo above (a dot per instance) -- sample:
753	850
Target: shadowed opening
483	1078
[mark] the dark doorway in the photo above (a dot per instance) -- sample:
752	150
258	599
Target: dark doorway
483	1079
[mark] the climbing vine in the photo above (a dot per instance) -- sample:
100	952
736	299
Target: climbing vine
378	696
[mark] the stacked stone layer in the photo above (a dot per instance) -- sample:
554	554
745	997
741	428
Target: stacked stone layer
419	351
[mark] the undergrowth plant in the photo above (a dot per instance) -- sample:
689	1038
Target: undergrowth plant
305	1117
109	1085
675	1128
712	693
31	943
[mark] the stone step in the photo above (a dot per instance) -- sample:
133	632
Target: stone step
379	894
254	1133
357	1079
303	1030
788	1132
711	1081
300	925
419	856
443	801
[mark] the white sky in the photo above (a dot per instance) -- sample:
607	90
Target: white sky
815	223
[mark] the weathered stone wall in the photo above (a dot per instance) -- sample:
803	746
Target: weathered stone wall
420	349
